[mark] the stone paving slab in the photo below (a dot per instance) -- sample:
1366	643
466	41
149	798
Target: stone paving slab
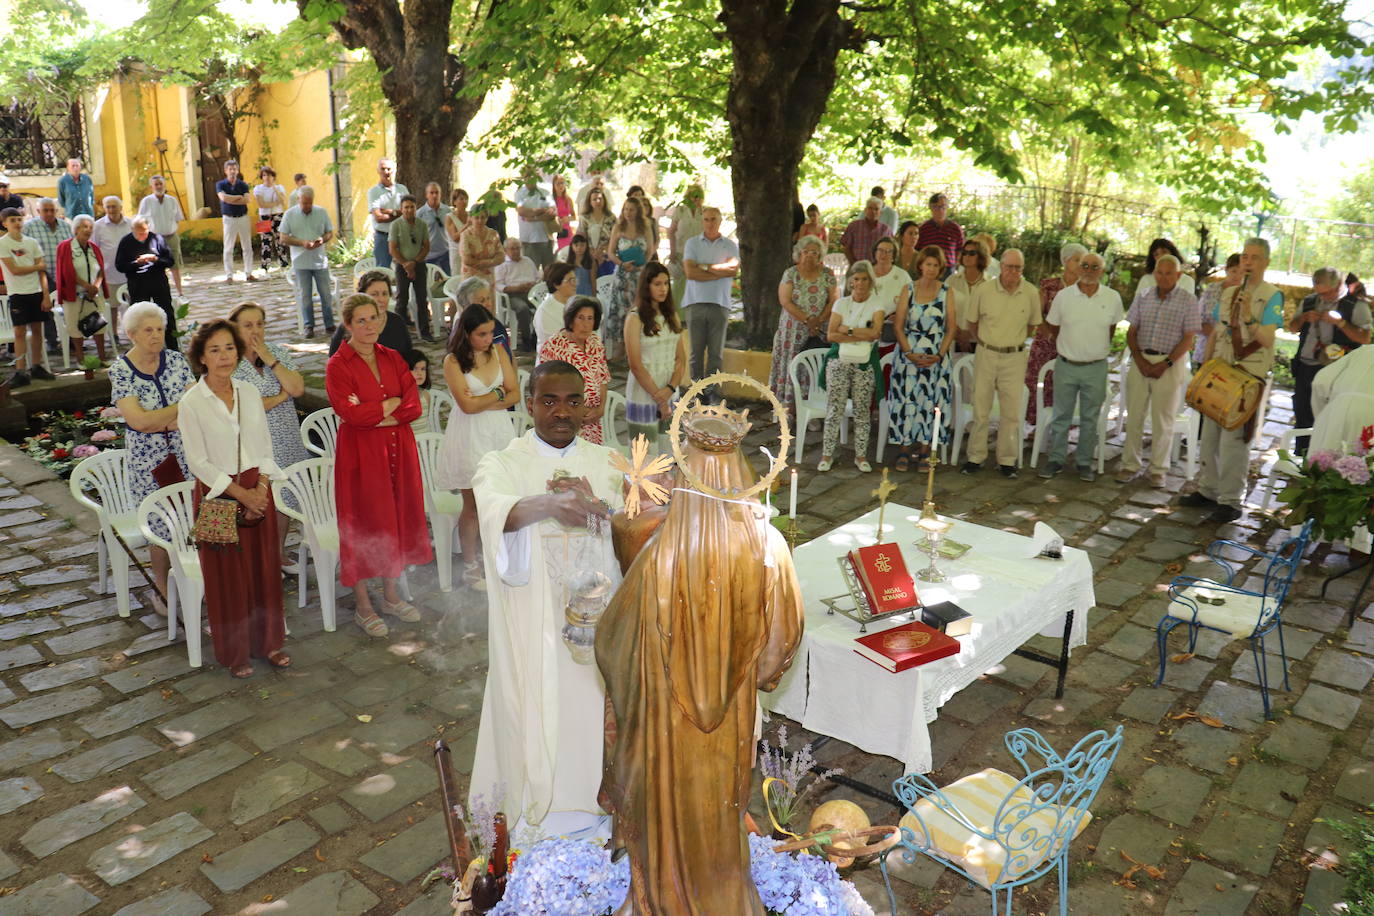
1239	707
8	867
1267	789
206	685
1171	794
1361	637
206	720
332	817
200	767
17	792
49	706
50	896
1236	837
1148	704
176	901
264	792
1297	742
40	601
1324	894
1342	669
1198	895
132	855
1189	675
437	901
338	754
80	821
22	629
1329	707
1131	642
300	721
61	675
392	732
33	747
1139	837
390	791
121	716
1357	782
337	893
412	852
140	674
242	865
105	759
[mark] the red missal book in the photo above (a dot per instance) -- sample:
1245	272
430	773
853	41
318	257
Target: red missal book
881	571
906	646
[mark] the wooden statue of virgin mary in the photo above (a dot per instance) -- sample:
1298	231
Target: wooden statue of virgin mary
709	612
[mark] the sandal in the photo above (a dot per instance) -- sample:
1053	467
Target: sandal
473	578
401	610
863	465
903	462
826	464
242	671
373	626
279	659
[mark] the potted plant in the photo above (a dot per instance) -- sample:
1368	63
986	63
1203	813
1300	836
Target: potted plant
89	365
1335	489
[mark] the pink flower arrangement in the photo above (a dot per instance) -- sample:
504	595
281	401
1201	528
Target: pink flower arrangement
1323	459
85	451
1353	468
110	413
104	435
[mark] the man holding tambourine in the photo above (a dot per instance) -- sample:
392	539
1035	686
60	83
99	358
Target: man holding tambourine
1252	313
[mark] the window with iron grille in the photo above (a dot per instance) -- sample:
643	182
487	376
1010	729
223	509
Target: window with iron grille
38	139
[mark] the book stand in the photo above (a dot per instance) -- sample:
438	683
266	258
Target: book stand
860	612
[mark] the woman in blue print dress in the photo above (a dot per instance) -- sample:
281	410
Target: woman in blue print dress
921	379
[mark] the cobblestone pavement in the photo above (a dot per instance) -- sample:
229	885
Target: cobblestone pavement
133	784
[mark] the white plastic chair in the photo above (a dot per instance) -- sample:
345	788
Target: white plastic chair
6	324
603	291
435	276
107	475
320	432
807	394
441	408
503	310
538	293
362	266
523	420
443	506
1045	414
1277	475
311	486
610	417
174	507
962	406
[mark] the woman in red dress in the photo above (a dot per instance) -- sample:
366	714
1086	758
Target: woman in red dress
377	484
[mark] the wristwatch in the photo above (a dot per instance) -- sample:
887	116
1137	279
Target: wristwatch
1169	360
500	393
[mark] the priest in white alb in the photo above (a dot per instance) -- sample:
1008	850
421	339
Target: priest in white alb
544	503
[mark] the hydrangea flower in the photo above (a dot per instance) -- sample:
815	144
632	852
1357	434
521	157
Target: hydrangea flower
111	413
86	451
1323	459
104	435
1353	468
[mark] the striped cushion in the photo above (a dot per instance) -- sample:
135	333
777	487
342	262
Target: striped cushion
978	796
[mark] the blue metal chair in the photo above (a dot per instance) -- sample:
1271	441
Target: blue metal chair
1001	832
1221	605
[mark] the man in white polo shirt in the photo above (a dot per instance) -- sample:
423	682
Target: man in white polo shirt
384	208
1081	321
164	215
711	262
533	206
109	230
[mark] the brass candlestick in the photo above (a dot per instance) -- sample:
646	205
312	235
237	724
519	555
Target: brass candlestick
884	489
793	531
934	527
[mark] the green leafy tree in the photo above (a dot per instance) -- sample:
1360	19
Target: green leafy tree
1160	85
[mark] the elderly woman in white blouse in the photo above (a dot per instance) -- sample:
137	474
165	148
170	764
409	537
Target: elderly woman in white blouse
229	451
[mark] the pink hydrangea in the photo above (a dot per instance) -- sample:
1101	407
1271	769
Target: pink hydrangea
1354	469
104	435
110	413
85	451
1322	460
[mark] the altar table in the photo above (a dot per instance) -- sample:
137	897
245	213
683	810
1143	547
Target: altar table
832	690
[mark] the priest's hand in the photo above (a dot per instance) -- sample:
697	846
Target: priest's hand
570	507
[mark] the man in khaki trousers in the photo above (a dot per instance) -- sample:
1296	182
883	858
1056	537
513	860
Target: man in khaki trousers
1164	320
1001	316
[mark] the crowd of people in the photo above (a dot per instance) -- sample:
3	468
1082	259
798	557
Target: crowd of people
921	312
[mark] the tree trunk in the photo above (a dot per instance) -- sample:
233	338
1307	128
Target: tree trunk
783	75
421	79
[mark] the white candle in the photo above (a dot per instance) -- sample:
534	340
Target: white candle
792	509
935	434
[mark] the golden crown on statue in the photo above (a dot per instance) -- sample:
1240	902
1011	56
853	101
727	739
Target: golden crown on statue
715	427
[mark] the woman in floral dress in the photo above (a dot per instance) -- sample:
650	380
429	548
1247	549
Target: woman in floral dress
630	248
1042	347
145	384
921	379
579	344
269	369
806	293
